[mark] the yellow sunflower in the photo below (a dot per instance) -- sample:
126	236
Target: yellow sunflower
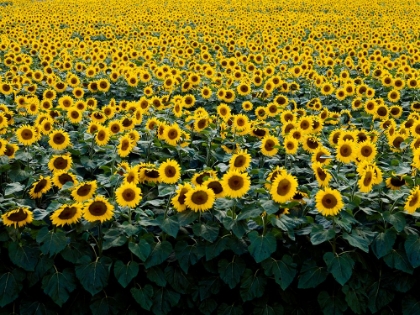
178	201
59	139
395	183
235	184
128	195
199	198
215	185
170	172
200	178
322	175
291	145
98	209
40	187
366	180
60	163
366	151
62	177
329	201
413	200
268	145
125	146
18	217
172	134
346	151
26	135
67	214
240	161
84	191
102	136
283	188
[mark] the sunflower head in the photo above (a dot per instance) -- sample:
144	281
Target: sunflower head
200	198
18	217
329	202
128	195
98	209
235	184
67	214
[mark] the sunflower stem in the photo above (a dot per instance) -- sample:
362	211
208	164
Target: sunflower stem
100	239
264	220
334	241
167	206
91	148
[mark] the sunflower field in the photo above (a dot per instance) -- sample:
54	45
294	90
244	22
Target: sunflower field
219	157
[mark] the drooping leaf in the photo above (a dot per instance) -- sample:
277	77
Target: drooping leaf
51	242
94	275
232	309
397	219
412	248
187	255
159	254
383	243
397	259
164	300
209	231
252	285
356	298
410	305
340	266
104	304
360	239
320	235
214	250
311	275
207	306
169	225
10	286
268	310
331	305
125	272
23	256
178	280
156	275
58	285
378	297
13	188
283	270
231	271
262	246
208	287
142	250
143	296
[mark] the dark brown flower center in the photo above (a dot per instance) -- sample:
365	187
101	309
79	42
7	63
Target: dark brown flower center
151	173
98	208
239	161
64	178
269	145
170	171
60	163
216	187
329	201
236	182
67	213
345	150
84	190
19	216
128	194
40	185
59	138
284	187
199	197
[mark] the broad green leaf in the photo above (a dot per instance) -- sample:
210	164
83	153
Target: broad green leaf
331	305
94	275
214	250
186	217
34	307
165	190
261	247
238	227
396	219
283	270
231	309
159	254
340	266
412	248
357	240
164	300
398	260
207	306
104	304
355	298
178	280
311	275
209	286
58	285
51	242
23	256
10	286
143	296
231	271
156	275
270	206
169	225
410	305
249	211
187	255
320	235
383	243
125	272
13	188
268	310
252	285
44	265
209	231
142	250
378	297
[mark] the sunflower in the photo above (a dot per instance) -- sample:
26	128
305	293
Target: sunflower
178	201
215	185
132	175
98	209
59	139
329	201
413	201
74	115
172	134
395	183
291	145
128	195
11	150
366	180
149	175
322	175
346	151
102	136
26	135
200	178
67	214
321	155
235	184
310	143
240	161
84	191
40	187
60	163
394	96
327	89
125	146
283	187
199	198
17	217
62	177
170	172
268	145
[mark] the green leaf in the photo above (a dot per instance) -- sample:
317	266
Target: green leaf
284	270
249	211
10	286
331	305
34	307
125	272
231	309
252	285
143	296
13	188
51	242
311	275
383	243
94	275
341	267
320	235
398	259
378	297
178	280
410	305
104	304
58	285
207	306
214	250
355	298
165	190
231	271
164	300
186	217
156	275
209	286
270	206
238	227
268	310
396	219
412	248
23	256
142	250
169	225
261	247
357	240
159	254
187	255
209	231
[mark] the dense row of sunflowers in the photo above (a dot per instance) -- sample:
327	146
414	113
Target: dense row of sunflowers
288	88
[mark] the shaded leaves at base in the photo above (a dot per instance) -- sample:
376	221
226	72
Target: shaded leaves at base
94	275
